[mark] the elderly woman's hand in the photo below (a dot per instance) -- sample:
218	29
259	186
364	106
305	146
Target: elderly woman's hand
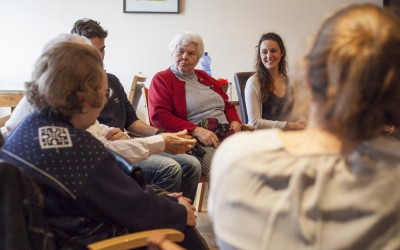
205	136
190	209
236	126
179	195
177	143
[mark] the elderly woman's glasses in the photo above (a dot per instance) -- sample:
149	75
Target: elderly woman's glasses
109	93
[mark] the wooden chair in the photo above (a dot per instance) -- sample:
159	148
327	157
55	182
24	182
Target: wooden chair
139	77
145	93
159	239
204	180
134	94
240	83
9	99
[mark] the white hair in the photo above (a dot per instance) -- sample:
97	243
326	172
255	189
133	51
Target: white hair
186	37
73	38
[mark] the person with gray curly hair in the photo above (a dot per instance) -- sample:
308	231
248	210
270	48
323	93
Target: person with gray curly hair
24	108
182	97
87	196
187	37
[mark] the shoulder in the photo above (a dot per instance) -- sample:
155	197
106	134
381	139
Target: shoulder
243	152
245	144
164	73
86	138
253	81
112	77
250	142
49	133
385	146
204	77
113	81
165	77
252	86
201	73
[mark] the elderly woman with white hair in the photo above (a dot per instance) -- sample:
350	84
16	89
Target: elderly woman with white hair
182	97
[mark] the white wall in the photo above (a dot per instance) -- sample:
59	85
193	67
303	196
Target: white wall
139	42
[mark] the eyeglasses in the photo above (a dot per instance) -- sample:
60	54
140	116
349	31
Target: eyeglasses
109	93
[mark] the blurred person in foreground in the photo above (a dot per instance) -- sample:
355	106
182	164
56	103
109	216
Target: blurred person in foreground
335	184
87	197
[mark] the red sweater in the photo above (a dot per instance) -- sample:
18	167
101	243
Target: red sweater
167	101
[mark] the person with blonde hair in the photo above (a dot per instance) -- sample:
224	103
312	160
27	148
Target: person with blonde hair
333	185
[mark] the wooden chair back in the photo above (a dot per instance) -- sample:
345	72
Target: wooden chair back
139	77
9	99
145	94
240	83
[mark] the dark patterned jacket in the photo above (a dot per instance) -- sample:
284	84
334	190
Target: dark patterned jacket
86	195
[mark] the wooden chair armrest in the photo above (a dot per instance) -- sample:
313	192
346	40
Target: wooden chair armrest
139	239
246	127
158	241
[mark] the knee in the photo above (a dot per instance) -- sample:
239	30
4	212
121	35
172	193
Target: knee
191	161
197	167
173	167
193	166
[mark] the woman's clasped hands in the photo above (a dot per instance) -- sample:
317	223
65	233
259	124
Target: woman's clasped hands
190	209
207	137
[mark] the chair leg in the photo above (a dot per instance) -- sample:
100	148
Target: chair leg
200	196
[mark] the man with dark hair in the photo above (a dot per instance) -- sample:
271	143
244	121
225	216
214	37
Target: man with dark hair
174	173
89	28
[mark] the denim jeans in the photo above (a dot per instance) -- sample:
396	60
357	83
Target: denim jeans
173	173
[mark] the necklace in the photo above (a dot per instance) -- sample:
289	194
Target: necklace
188	78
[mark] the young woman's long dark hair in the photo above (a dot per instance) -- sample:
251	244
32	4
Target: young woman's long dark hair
263	76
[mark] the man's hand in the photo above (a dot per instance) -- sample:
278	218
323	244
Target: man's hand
116	134
177	143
